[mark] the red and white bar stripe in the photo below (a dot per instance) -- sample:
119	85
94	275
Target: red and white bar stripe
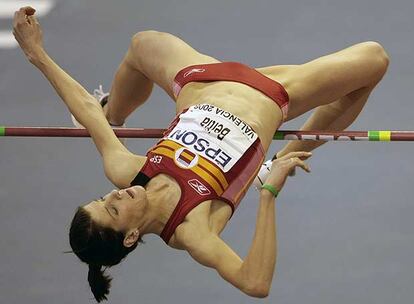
158	133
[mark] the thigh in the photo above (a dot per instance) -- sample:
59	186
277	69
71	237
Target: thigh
328	78
160	56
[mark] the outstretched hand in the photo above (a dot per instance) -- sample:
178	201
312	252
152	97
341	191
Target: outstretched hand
27	31
283	165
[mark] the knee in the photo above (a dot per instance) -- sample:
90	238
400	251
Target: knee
143	44
140	38
376	53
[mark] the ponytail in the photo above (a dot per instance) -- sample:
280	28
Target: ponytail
99	282
97	246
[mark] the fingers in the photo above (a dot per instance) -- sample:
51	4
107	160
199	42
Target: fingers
302	154
15	20
23	17
22	13
19	18
33	20
29	10
297	162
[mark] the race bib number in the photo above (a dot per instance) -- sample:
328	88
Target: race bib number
214	134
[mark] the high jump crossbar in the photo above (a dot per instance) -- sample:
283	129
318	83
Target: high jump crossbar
158	133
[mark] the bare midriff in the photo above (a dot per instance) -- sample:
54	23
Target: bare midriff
250	105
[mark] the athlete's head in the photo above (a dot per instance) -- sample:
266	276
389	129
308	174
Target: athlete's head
103	232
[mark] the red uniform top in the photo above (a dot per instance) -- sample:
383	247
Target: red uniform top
203	169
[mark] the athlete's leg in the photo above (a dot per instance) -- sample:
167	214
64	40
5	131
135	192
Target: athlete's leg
153	57
338	85
336	116
334	76
130	89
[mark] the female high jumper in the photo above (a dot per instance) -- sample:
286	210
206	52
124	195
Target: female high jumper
189	184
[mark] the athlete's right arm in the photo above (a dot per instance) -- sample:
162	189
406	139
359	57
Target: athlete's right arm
254	275
28	34
120	165
81	104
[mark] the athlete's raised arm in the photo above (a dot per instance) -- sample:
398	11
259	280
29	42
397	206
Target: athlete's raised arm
254	275
81	104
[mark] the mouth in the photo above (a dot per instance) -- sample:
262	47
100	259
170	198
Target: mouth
130	193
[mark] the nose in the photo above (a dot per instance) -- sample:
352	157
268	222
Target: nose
117	194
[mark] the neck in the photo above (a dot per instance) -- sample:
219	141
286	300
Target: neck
162	195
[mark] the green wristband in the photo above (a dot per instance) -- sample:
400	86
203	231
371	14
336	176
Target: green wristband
271	189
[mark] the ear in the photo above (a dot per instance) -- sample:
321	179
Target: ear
131	238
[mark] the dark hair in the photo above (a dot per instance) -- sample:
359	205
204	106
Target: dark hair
97	246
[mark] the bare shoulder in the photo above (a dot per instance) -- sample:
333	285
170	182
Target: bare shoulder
121	167
207	248
188	235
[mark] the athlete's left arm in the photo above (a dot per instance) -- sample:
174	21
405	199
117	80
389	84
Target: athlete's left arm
211	251
254	274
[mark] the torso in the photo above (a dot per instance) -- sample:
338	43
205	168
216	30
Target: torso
255	108
262	115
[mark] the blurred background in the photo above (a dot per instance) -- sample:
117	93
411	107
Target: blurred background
345	231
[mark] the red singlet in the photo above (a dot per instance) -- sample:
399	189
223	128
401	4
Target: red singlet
211	153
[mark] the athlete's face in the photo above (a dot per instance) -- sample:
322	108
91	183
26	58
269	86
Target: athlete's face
119	209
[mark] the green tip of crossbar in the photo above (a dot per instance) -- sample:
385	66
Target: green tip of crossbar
2	131
278	135
374	135
379	135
